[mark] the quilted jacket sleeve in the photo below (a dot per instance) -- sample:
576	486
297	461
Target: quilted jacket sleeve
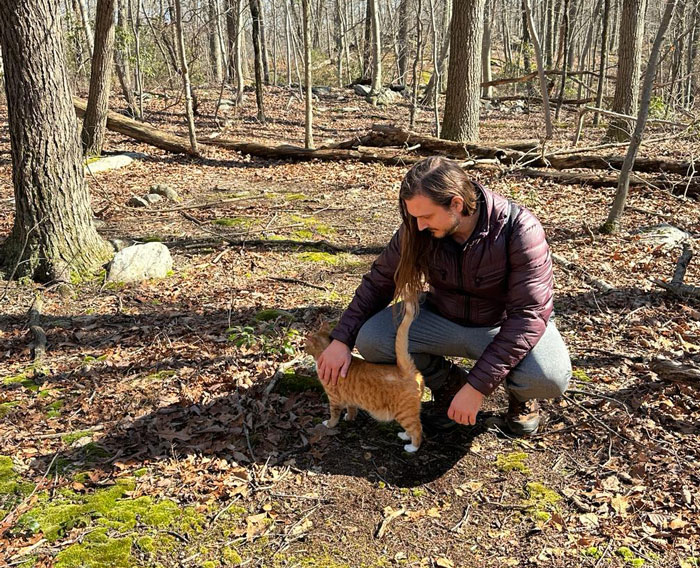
528	305
374	293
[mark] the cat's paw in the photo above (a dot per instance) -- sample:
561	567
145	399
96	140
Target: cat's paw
327	424
410	448
404	436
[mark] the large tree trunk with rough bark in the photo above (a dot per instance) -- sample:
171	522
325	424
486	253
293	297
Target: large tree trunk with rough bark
628	68
461	120
53	234
95	121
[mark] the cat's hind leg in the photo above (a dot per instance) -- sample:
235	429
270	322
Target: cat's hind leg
332	422
413	431
351	414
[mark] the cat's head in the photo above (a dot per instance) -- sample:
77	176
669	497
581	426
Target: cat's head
318	341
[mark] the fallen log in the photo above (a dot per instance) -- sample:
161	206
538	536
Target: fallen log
140	131
538	99
614	162
672	371
609	180
287	151
387	135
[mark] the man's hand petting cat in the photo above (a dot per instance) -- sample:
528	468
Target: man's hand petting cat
333	362
465	405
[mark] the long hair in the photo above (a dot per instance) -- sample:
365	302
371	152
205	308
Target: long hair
439	179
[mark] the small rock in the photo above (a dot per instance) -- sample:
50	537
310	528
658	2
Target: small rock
140	262
362	90
167	192
664	234
349	109
118	244
152	198
137	202
321	90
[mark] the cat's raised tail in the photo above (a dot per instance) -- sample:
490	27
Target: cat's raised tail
404	361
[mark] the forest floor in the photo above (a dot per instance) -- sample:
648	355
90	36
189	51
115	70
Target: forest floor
147	435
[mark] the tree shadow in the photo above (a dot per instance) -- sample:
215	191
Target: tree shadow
229	420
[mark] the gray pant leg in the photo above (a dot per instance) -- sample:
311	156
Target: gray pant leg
543	373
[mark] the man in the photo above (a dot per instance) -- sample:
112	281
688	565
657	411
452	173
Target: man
489	272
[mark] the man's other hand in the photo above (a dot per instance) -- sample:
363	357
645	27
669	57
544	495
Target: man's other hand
333	362
465	405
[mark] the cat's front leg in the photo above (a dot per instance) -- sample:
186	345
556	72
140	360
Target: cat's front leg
332	422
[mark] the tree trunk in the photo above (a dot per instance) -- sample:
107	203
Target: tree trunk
444	50
214	46
121	60
287	32
618	206
419	51
486	49
540	69
525	46
53	235
367	46
403	41
564	51
376	49
628	68
263	43
235	31
308	130
95	122
603	61
184	69
257	49
138	76
85	17
461	121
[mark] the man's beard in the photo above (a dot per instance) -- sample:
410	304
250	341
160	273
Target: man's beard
449	232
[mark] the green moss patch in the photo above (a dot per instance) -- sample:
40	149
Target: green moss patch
12	488
238	222
580	375
68	439
272	314
96	551
6	407
514	461
294	196
629	557
541	501
23	380
312	226
292	382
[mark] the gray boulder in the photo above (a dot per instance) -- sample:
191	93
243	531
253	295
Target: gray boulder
384	98
137	202
362	90
152	198
140	262
167	192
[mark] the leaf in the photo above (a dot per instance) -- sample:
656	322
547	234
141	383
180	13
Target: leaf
677	523
589	520
620	504
443	562
255	525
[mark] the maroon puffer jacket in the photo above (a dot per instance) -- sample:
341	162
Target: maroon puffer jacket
485	282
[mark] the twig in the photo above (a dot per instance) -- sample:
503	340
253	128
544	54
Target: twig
295	281
202	205
464	519
596	395
279	373
381	529
603	424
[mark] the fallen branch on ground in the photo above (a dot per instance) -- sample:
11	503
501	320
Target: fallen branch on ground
675	372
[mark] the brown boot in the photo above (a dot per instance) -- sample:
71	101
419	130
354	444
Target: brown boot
435	418
523	417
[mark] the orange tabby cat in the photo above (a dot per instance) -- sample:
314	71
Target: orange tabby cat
387	392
